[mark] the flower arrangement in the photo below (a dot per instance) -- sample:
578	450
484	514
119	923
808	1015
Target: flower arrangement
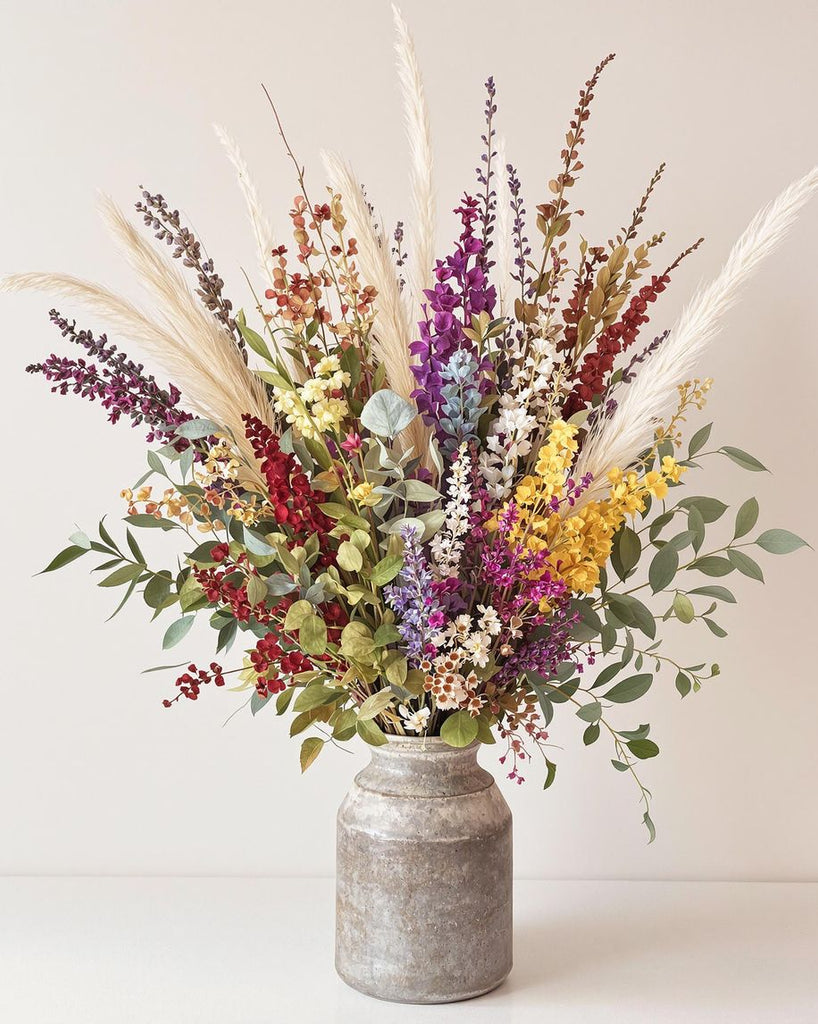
423	496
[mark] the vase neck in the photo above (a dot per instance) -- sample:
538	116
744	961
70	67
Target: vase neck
424	767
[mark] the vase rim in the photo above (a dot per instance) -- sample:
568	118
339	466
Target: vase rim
421	745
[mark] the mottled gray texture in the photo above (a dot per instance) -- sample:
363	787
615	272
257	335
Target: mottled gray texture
423	912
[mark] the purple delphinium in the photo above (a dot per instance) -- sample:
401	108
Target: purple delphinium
413	599
461	291
121	385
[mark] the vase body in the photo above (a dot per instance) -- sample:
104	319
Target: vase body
424	857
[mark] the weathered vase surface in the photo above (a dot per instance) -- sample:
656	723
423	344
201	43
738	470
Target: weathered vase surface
424	859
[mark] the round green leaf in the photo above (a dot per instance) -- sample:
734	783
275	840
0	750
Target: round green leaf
683	608
459	729
312	635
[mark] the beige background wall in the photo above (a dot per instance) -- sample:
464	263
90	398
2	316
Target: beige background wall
95	777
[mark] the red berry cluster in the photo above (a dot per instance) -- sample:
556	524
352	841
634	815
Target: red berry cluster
219	589
194	679
294	502
271	661
614	339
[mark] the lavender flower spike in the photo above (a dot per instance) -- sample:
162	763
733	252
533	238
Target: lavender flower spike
413	599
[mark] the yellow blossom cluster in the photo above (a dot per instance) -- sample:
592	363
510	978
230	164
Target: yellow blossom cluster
579	544
314	408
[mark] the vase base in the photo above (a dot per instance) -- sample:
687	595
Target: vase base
419	998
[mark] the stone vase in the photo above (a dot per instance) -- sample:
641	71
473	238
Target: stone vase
424	855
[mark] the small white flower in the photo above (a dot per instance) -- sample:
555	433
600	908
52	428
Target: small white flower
489	620
415	721
478	646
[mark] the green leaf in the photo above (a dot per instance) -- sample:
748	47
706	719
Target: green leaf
551	773
284	699
647	821
256	590
417	490
312	635
459	729
745	565
546	704
124	600
712	565
296	615
629	689
357	641
682	684
710	509
374	704
197	428
156	590
663	568
387	414
349	557
124	574
631	612
715	628
643	749
746	518
370	733
743	459
316	695
590	712
720	593
780	542
146	522
257	702
696	525
386	570
67	555
310	749
591	734
386	634
620	766
699	440
254	340
257	545
607	674
176	632
683	608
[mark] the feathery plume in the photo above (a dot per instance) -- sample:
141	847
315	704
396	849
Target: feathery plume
392	331
617	440
189	343
262	231
416	118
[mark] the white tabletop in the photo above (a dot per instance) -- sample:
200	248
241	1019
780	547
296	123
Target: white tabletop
173	951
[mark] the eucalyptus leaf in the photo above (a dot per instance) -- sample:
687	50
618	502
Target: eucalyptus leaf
387	414
176	632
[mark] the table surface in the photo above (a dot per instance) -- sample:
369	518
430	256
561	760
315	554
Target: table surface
224	950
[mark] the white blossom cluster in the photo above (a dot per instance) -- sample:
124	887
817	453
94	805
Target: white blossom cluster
521	411
447	544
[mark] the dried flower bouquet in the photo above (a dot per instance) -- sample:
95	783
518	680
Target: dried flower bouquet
426	497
